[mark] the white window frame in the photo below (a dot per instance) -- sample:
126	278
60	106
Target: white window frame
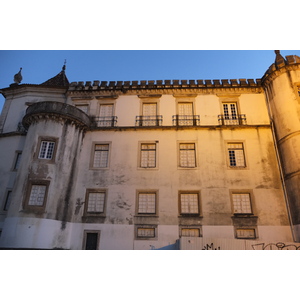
245	233
241	203
193	232
187	206
37	196
146	232
145	205
98	205
187	157
148	156
103	153
236	155
47	148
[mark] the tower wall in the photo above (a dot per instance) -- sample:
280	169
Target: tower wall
282	82
63	125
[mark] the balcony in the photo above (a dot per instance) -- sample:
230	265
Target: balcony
232	119
104	121
186	120
144	121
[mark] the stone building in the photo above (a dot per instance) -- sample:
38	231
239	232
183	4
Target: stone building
173	164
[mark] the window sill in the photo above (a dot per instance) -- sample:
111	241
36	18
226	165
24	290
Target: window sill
93	218
146	219
244	216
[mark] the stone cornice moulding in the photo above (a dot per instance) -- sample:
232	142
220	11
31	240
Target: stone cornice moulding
273	73
56	111
179	92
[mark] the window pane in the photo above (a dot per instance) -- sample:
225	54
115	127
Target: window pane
46	150
101	156
146	203
37	195
148	155
146	232
189	203
187	155
241	204
149	109
236	155
185	109
96	202
106	110
245	233
191	232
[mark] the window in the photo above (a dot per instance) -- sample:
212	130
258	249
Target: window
7	200
146	231
185	114
185	108
148	155
241	203
83	107
17	160
95	202
149	117
245	233
146	203
189	203
91	240
236	155
100	159
187	155
106	118
37	195
46	150
190	232
149	109
230	114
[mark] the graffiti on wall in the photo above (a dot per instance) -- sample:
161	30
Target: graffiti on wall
210	247
277	246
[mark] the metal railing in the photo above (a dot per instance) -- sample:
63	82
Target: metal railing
186	120
148	120
104	121
232	119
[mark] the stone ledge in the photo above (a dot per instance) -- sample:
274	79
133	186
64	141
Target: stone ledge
55	110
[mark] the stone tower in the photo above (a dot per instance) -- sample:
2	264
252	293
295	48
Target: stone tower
282	86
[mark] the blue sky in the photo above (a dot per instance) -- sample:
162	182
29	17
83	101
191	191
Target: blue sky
127	65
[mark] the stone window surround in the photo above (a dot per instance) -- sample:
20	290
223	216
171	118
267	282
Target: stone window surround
147	191
95	214
93	154
36	208
39	144
186	215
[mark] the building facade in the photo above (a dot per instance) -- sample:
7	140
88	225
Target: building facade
181	164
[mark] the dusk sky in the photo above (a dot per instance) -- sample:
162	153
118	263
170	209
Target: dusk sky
128	65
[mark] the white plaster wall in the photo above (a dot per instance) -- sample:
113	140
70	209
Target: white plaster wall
17	104
34	233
